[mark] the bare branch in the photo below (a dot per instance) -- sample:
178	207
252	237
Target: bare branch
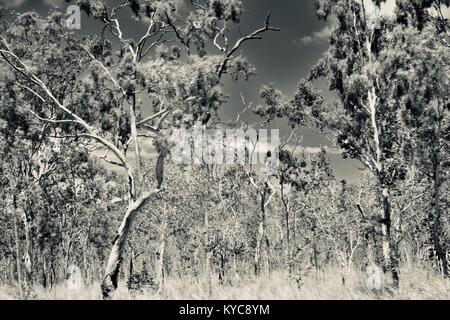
114	81
177	32
251	36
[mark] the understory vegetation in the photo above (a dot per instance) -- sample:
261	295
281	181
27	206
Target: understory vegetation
88	188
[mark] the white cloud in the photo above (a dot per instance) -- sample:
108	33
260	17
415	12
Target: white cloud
317	37
320	36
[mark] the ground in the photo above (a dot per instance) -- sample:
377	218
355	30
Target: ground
415	284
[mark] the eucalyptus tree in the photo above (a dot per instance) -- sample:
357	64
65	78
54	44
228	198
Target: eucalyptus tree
29	158
94	87
304	110
425	83
421	13
368	115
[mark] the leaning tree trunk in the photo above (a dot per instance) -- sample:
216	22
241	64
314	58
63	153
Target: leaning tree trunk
109	284
390	255
110	279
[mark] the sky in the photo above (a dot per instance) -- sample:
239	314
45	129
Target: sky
282	58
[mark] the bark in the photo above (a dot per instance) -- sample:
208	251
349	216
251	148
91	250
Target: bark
436	217
288	244
131	266
134	133
17	247
110	279
161	253
267	251
206	250
28	253
109	284
44	273
257	259
222	269
286	217
67	254
390	254
262	235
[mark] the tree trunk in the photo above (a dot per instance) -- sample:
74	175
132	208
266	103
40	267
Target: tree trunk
288	244
262	236
288	239
162	245
436	221
28	254
267	251
390	255
131	267
206	250
109	284
222	268
44	273
17	243
257	261
286	218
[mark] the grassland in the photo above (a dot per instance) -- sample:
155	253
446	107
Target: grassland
416	283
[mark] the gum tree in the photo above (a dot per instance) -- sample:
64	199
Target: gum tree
424	84
122	93
427	114
304	110
368	115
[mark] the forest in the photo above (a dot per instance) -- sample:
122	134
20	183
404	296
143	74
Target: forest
93	204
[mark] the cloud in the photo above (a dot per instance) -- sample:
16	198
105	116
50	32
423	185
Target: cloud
316	37
322	35
15	3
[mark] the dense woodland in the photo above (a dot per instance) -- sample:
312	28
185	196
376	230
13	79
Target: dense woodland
85	137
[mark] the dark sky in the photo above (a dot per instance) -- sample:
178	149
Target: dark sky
281	58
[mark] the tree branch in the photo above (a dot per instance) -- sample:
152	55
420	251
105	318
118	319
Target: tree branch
251	36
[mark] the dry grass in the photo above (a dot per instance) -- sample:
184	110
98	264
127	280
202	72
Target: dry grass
415	284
